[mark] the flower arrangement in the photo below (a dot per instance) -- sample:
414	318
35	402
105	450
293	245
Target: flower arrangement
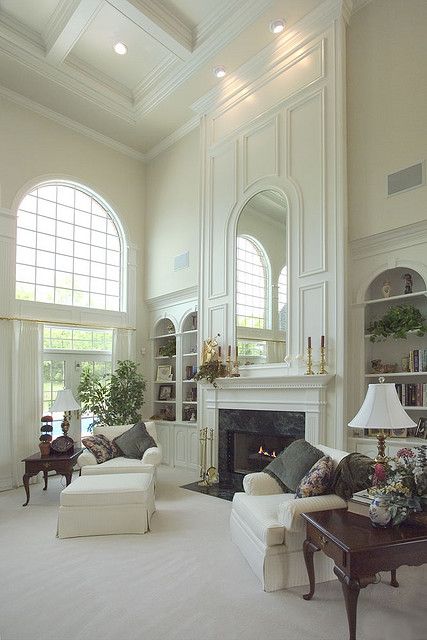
402	482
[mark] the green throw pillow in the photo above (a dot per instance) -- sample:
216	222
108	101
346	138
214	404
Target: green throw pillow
135	441
292	464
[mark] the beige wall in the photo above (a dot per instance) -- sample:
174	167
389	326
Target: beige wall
172	220
387	109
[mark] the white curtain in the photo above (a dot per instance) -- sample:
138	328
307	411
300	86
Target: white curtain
123	345
27	393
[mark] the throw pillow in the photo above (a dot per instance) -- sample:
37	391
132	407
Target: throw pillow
317	481
292	464
101	447
135	441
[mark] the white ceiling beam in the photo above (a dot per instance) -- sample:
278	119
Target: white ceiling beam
160	23
68	23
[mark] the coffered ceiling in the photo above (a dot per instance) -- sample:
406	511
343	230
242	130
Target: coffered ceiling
57	56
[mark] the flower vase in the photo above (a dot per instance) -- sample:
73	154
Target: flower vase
379	511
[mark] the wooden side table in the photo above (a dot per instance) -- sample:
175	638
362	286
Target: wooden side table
360	551
62	463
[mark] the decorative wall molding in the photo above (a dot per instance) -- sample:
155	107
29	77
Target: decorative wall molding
272	124
169	299
305	314
388	241
20	100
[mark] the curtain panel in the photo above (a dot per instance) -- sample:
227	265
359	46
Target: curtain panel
123	345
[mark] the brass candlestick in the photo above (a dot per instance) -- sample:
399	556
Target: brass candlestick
309	371
322	365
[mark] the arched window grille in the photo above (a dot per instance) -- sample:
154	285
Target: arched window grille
251	284
68	249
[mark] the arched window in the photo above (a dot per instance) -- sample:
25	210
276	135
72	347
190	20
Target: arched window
283	299
251	284
68	248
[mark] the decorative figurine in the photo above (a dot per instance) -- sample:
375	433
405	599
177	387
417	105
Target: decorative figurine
386	289
408	282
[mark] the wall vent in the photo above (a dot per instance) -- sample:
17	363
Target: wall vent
405	179
181	262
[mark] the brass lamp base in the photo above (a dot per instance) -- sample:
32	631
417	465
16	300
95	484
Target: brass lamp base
381	456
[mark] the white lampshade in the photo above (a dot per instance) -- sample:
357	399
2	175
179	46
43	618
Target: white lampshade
382	409
65	401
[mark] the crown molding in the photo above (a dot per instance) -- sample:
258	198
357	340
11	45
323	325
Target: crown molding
359	4
171	139
153	77
268	59
237	21
214	21
19	34
87	72
392	240
36	107
175	297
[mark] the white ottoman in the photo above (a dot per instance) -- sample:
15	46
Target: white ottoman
105	504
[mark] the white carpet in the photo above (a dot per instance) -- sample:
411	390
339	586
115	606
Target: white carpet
183	581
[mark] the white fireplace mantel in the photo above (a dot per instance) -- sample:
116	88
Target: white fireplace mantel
288	393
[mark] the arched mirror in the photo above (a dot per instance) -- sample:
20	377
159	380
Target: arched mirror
261	286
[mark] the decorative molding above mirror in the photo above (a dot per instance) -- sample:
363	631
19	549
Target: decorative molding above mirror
261	279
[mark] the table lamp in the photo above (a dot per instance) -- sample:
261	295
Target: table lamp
65	402
382	410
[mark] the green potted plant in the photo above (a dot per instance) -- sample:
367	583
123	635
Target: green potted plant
396	323
115	398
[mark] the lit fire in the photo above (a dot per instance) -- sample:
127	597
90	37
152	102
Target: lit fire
266	453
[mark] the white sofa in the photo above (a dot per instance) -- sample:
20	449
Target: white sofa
149	462
267	527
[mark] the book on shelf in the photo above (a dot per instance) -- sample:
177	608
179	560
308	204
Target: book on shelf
412	394
418	360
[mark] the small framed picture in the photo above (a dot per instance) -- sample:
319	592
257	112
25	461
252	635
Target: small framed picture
398	433
165	392
421	431
164	373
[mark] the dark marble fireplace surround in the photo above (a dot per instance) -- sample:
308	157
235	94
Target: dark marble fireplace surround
237	428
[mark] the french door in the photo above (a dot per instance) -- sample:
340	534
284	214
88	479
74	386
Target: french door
62	370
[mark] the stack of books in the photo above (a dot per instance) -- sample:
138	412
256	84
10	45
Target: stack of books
359	503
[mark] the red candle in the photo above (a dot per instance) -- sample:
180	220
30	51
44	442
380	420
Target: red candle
309	342
237	351
322	341
219	352
229	350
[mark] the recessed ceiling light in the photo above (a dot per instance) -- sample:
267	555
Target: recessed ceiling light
277	26
219	72
120	48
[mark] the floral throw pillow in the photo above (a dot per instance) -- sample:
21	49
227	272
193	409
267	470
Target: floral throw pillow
101	447
316	481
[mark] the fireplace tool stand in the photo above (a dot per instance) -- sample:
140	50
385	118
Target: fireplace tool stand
208	475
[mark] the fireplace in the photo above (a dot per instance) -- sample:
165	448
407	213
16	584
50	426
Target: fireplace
249	439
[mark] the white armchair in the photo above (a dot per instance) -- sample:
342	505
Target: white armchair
267	527
150	460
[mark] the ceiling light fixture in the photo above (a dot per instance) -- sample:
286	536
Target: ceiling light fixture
219	72
277	26
120	48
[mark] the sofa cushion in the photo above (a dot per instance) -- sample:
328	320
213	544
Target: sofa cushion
317	480
259	513
134	442
102	448
118	465
293	463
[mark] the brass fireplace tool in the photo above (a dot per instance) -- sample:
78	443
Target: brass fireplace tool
208	475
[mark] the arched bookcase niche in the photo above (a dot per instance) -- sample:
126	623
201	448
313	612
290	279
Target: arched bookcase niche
402	361
188	361
164	373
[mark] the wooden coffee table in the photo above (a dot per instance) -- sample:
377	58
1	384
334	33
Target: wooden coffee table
360	551
62	463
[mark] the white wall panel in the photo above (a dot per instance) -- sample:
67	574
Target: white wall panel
223	168
261	152
292	75
312	316
306	168
217	322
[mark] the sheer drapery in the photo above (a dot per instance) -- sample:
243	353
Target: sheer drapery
26	367
123	345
